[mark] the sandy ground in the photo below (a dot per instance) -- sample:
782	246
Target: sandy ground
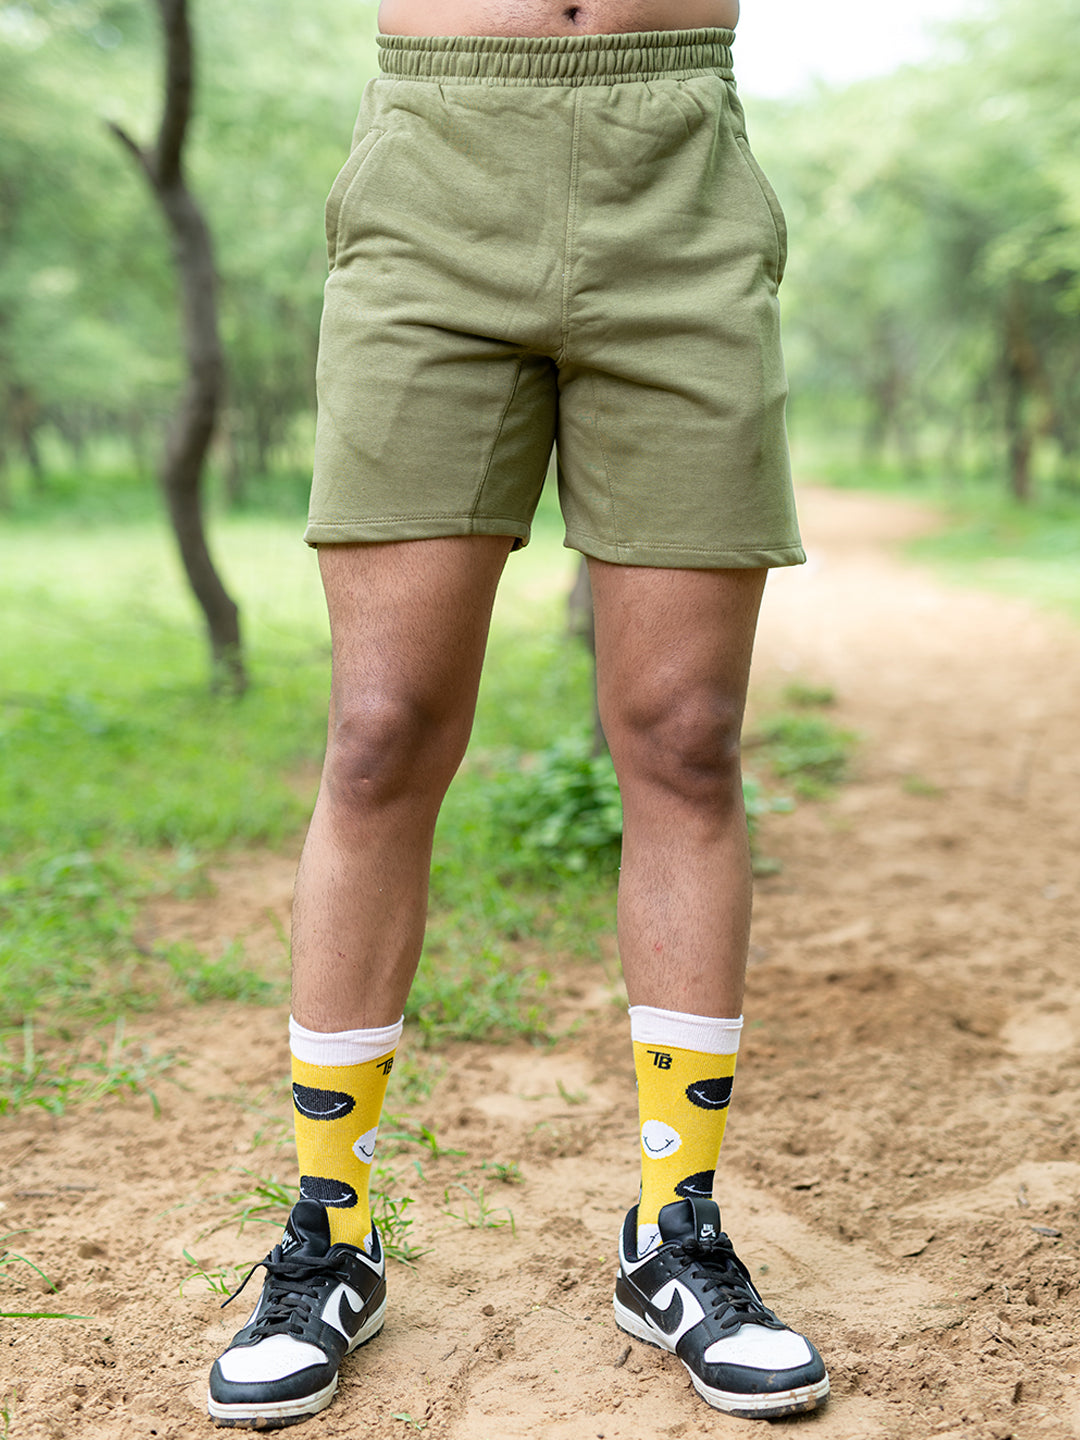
902	1169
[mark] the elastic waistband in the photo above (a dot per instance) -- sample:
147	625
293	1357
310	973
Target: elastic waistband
558	59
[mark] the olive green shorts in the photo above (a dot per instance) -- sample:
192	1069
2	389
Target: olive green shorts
556	241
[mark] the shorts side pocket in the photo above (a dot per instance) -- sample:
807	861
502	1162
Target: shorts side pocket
339	191
770	197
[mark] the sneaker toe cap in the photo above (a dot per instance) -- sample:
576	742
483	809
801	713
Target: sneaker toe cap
279	1361
755	1347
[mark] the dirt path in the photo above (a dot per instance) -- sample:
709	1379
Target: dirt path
902	1166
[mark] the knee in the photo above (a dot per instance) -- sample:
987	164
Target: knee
386	747
687	746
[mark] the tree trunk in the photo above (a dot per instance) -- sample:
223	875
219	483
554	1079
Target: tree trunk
1021	375
25	419
193	425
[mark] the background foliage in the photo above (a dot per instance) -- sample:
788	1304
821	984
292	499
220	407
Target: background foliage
933	295
931	303
931	307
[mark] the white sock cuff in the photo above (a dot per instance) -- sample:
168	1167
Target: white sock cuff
649	1026
342	1047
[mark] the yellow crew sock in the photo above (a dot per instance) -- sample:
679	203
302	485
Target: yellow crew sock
339	1084
684	1066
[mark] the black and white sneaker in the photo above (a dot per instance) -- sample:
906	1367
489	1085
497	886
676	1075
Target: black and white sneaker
694	1296
319	1301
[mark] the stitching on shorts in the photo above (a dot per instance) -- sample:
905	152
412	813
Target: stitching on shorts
607	468
784	548
571	216
408	519
495	442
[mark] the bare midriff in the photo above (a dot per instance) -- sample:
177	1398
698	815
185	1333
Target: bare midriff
552	17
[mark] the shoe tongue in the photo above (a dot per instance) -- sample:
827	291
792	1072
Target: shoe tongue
309	1226
690	1220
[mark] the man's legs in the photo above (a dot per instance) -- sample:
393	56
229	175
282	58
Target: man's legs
673	659
409	623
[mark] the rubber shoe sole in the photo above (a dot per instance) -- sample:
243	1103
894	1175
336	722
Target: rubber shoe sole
276	1414
772	1406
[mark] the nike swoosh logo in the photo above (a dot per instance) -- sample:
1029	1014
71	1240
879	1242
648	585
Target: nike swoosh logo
711	1094
322	1104
349	1318
667	1320
328	1192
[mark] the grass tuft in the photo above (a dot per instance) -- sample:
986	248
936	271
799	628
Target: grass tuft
475	1210
99	1067
267	1201
807	750
8	1259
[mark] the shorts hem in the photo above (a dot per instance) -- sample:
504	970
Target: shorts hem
689	557
427	527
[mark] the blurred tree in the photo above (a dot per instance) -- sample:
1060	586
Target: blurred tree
193	426
86	295
934	281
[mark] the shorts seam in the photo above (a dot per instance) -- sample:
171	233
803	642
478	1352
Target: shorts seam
607	468
369	521
571	218
495	441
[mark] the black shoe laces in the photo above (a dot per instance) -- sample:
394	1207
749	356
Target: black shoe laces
725	1287
292	1290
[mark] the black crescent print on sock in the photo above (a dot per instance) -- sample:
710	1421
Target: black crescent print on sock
711	1094
696	1187
322	1104
328	1192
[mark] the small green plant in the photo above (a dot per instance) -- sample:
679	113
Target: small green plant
267	1201
476	1212
758	802
572	1097
396	1131
414	1078
917	785
203	980
507	1172
222	1281
7	1413
560	809
478	996
388	1212
407	1419
114	1066
802	696
807	750
8	1258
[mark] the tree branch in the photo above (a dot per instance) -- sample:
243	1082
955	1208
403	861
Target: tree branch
134	147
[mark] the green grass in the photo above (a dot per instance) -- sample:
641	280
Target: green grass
122	777
986	539
1032	553
474	1209
9	1259
265	1200
62	1074
806	751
